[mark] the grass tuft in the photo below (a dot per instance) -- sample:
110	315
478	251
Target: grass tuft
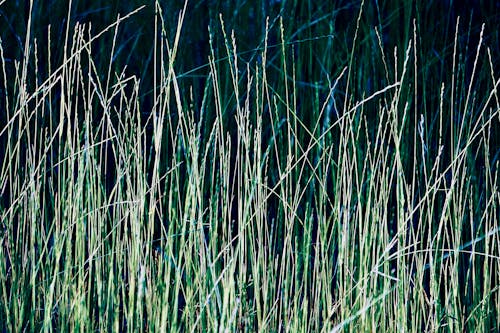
331	167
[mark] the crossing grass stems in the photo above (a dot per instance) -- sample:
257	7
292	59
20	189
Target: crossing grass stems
260	208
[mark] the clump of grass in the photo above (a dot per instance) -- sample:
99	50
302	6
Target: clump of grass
292	192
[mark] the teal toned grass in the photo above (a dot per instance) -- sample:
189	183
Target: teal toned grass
305	183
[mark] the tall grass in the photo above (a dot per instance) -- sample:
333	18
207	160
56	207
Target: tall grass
279	192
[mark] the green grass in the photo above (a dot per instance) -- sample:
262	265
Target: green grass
304	175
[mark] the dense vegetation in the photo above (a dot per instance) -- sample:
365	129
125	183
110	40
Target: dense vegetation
267	165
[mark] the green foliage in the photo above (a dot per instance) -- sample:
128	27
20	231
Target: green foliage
249	166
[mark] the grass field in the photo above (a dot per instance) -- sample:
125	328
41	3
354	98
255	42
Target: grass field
249	166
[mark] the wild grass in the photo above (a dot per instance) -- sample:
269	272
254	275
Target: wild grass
283	193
